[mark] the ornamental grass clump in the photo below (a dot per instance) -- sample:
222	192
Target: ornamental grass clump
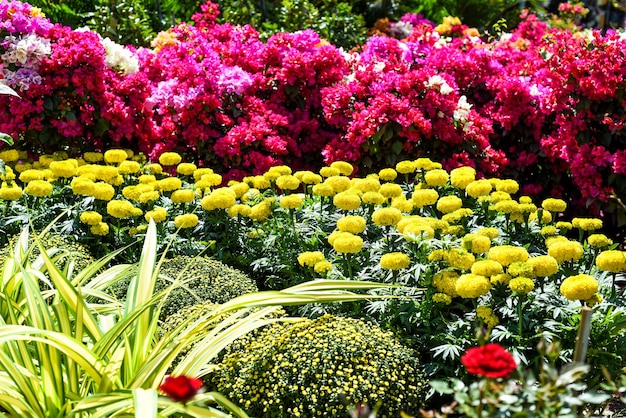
321	367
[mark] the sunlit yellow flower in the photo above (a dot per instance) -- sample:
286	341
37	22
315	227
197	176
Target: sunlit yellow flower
579	287
424	197
344	168
170	158
323	267
323	190
9	155
12	192
498	196
186	169
128	167
461	177
555	238
93	157
520	268
594	300
509	186
563	225
386	216
373	198
442	298
426	164
261	211
183	196
103	191
287	182
329	172
445	282
612	260
102	172
352	223
500	279
218	199
348	243
554	205
492	233
197	174
521	285
599	241
120	209
39	188
347	200
90	217
587	224
310	258
566	251
63	169
549	230
506	206
390	190
405	167
457	215
239	210
338	183
418	229
436	177
21	166
486	268
447	204
476	243
30	175
472	286
368	184
478	188
115	156
395	261
187	220
292	201
100	229
543	265
309	177
460	259
387	174
158	214
507	254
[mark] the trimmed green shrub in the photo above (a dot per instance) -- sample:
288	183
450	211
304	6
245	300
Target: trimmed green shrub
320	367
201	279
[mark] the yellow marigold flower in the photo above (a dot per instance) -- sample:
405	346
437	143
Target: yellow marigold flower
170	158
487	316
13	192
115	156
555	238
546	217
322	267
520	268
402	204
500	279
239	188
442	298
554	205
187	220
198	173
565	251
447	204
457	215
580	287
292	201
386	216
395	261
476	243
239	210
436	177
445	282
103	191
548	230
587	224
390	190
310	258
543	265
128	167
218	199
100	229
344	168
508	186
460	259
93	157
148	196
506	206
9	155
417	229
612	260
281	170
90	217
347	243
63	169
352	223
387	174
405	167
478	188
347	200
492	233
486	268
564	225
499	196
154	168
309	177
287	182
105	173
82	186
329	172
22	166
594	300
183	196
472	286
599	241
368	184
424	197
30	175
373	198
186	169
169	184
338	183
426	164
120	209
158	214
323	190
507	254
39	188
261	211
521	285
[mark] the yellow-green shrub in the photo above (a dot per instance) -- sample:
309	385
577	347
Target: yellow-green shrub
320	367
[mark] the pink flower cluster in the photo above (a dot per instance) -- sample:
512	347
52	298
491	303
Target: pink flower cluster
541	104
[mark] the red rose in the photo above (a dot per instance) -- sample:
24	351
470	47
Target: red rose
489	360
180	388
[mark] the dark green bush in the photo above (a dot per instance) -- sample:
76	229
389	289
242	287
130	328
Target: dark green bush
320	367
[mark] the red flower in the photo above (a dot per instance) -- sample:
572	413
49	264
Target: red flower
180	388
489	360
